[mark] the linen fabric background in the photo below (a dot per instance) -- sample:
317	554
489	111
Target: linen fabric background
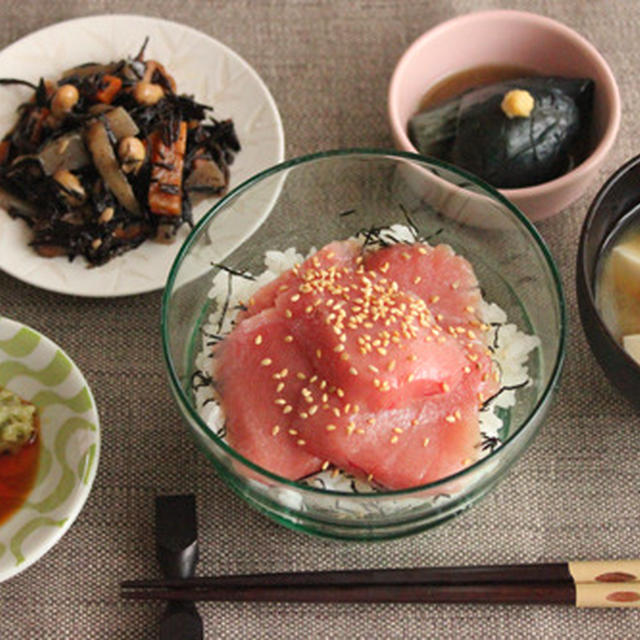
573	495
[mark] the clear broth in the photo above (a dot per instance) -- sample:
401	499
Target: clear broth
457	83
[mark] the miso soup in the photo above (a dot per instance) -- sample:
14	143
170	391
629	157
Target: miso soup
617	284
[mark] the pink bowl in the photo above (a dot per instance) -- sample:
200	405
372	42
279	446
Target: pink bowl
520	39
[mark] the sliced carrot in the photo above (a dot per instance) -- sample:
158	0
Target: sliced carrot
5	145
110	87
50	250
38	116
131	231
166	173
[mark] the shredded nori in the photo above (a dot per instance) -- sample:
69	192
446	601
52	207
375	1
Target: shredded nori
513	387
225	306
233	272
489	443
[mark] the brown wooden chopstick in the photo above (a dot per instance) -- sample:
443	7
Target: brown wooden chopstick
608	583
504	593
432	575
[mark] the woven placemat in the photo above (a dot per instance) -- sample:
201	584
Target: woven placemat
573	495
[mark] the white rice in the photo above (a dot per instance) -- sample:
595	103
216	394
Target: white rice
511	354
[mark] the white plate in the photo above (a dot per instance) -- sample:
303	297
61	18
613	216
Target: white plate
203	67
39	371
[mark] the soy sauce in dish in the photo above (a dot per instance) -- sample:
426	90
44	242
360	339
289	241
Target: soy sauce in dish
18	471
461	81
617	283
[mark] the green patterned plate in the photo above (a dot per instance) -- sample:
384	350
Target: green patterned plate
40	372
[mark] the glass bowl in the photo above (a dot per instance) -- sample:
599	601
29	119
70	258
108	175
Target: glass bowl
308	202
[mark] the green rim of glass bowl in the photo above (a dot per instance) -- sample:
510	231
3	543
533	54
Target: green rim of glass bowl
381	153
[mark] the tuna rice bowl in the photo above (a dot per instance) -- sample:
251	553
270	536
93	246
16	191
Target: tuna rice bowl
372	364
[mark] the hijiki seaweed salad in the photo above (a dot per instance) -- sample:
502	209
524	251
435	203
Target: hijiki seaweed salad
109	156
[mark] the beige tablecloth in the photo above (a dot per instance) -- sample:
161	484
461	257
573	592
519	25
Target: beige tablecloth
573	494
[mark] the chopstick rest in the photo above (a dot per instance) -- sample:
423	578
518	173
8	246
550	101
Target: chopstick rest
177	552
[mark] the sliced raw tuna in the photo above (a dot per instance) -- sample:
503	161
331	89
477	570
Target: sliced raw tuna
334	254
386	366
364	335
254	372
264	298
403	447
443	279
